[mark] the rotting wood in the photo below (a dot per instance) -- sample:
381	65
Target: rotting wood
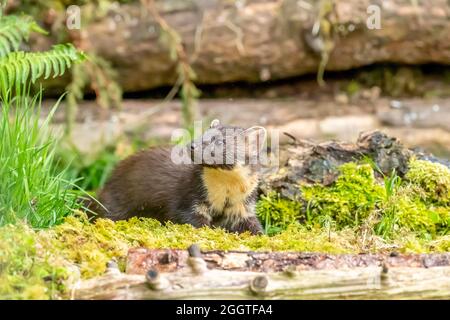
166	274
256	41
140	260
319	163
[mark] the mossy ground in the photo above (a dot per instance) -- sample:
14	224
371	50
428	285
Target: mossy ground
358	213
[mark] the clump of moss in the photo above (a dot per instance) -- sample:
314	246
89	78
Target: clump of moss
432	178
420	203
27	270
408	243
278	213
407	210
348	201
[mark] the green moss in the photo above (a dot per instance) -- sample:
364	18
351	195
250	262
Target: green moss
43	264
347	202
408	211
432	178
27	269
408	243
357	213
420	204
92	245
277	213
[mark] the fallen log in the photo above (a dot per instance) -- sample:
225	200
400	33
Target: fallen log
306	162
174	274
258	40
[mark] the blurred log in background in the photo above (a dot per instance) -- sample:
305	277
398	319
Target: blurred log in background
256	41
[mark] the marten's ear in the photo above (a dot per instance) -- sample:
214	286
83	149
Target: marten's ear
215	123
255	137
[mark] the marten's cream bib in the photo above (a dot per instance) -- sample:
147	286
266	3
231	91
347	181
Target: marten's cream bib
227	190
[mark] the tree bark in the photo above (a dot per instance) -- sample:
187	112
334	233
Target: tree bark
236	275
254	41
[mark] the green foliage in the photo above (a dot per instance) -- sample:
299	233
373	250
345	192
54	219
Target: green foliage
432	178
28	270
391	184
14	30
18	68
349	201
31	189
277	213
389	206
408	211
90	173
420	204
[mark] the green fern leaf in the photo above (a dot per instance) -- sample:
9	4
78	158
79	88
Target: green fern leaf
14	30
19	67
5	46
25	71
35	68
48	67
55	66
11	74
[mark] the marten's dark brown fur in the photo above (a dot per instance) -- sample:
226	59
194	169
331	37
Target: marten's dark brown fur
150	184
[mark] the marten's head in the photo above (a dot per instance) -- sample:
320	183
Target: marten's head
225	147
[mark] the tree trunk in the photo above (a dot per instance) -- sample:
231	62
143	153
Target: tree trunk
173	274
254	41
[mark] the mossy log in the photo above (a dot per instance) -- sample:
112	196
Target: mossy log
174	274
305	162
254	41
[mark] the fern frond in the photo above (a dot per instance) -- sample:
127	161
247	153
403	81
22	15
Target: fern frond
20	67
14	30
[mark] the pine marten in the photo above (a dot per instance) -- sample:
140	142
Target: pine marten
218	187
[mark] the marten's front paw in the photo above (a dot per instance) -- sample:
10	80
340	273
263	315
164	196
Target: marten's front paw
251	224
